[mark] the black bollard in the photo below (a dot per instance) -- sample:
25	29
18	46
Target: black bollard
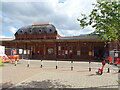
41	66
108	70
41	63
89	65
108	67
89	69
56	67
119	71
15	63
28	65
56	64
71	65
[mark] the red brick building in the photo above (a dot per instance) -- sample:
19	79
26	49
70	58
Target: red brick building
44	42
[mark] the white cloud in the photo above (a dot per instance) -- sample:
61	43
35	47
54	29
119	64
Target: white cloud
62	15
1	36
8	31
12	30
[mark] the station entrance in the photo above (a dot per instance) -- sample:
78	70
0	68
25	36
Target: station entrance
98	53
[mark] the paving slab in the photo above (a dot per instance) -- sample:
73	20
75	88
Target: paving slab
21	76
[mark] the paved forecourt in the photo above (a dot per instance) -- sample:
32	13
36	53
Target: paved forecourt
49	77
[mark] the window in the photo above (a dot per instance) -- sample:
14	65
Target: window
40	30
78	52
30	30
70	48
50	30
84	51
63	48
21	31
25	33
50	50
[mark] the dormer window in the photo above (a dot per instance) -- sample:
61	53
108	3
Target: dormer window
30	30
21	31
50	30
40	30
25	33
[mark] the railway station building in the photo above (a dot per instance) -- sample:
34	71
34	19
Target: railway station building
44	41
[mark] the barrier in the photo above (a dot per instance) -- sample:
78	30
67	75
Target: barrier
4	58
42	63
63	65
110	59
117	61
14	57
10	58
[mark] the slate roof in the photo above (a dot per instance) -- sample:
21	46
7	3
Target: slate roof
37	29
83	37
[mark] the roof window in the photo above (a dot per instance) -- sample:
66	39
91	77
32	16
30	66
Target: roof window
40	30
21	31
50	30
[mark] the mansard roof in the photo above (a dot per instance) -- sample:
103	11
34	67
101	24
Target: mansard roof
37	29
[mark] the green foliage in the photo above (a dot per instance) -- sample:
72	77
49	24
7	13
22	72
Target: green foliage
1	63
105	18
118	81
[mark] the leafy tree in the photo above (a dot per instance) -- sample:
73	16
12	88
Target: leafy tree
105	18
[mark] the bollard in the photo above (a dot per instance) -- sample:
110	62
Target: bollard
89	69
28	65
108	67
89	65
15	63
71	65
41	63
119	71
56	67
56	64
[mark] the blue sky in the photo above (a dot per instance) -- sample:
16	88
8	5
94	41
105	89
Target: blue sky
61	13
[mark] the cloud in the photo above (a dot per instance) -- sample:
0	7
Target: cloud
8	31
4	37
12	30
63	15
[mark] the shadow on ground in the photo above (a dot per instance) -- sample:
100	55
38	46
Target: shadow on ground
7	84
41	84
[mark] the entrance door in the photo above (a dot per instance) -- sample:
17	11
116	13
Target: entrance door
98	52
84	52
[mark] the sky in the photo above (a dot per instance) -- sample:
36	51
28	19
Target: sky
63	14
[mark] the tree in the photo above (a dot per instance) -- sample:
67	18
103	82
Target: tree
105	18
